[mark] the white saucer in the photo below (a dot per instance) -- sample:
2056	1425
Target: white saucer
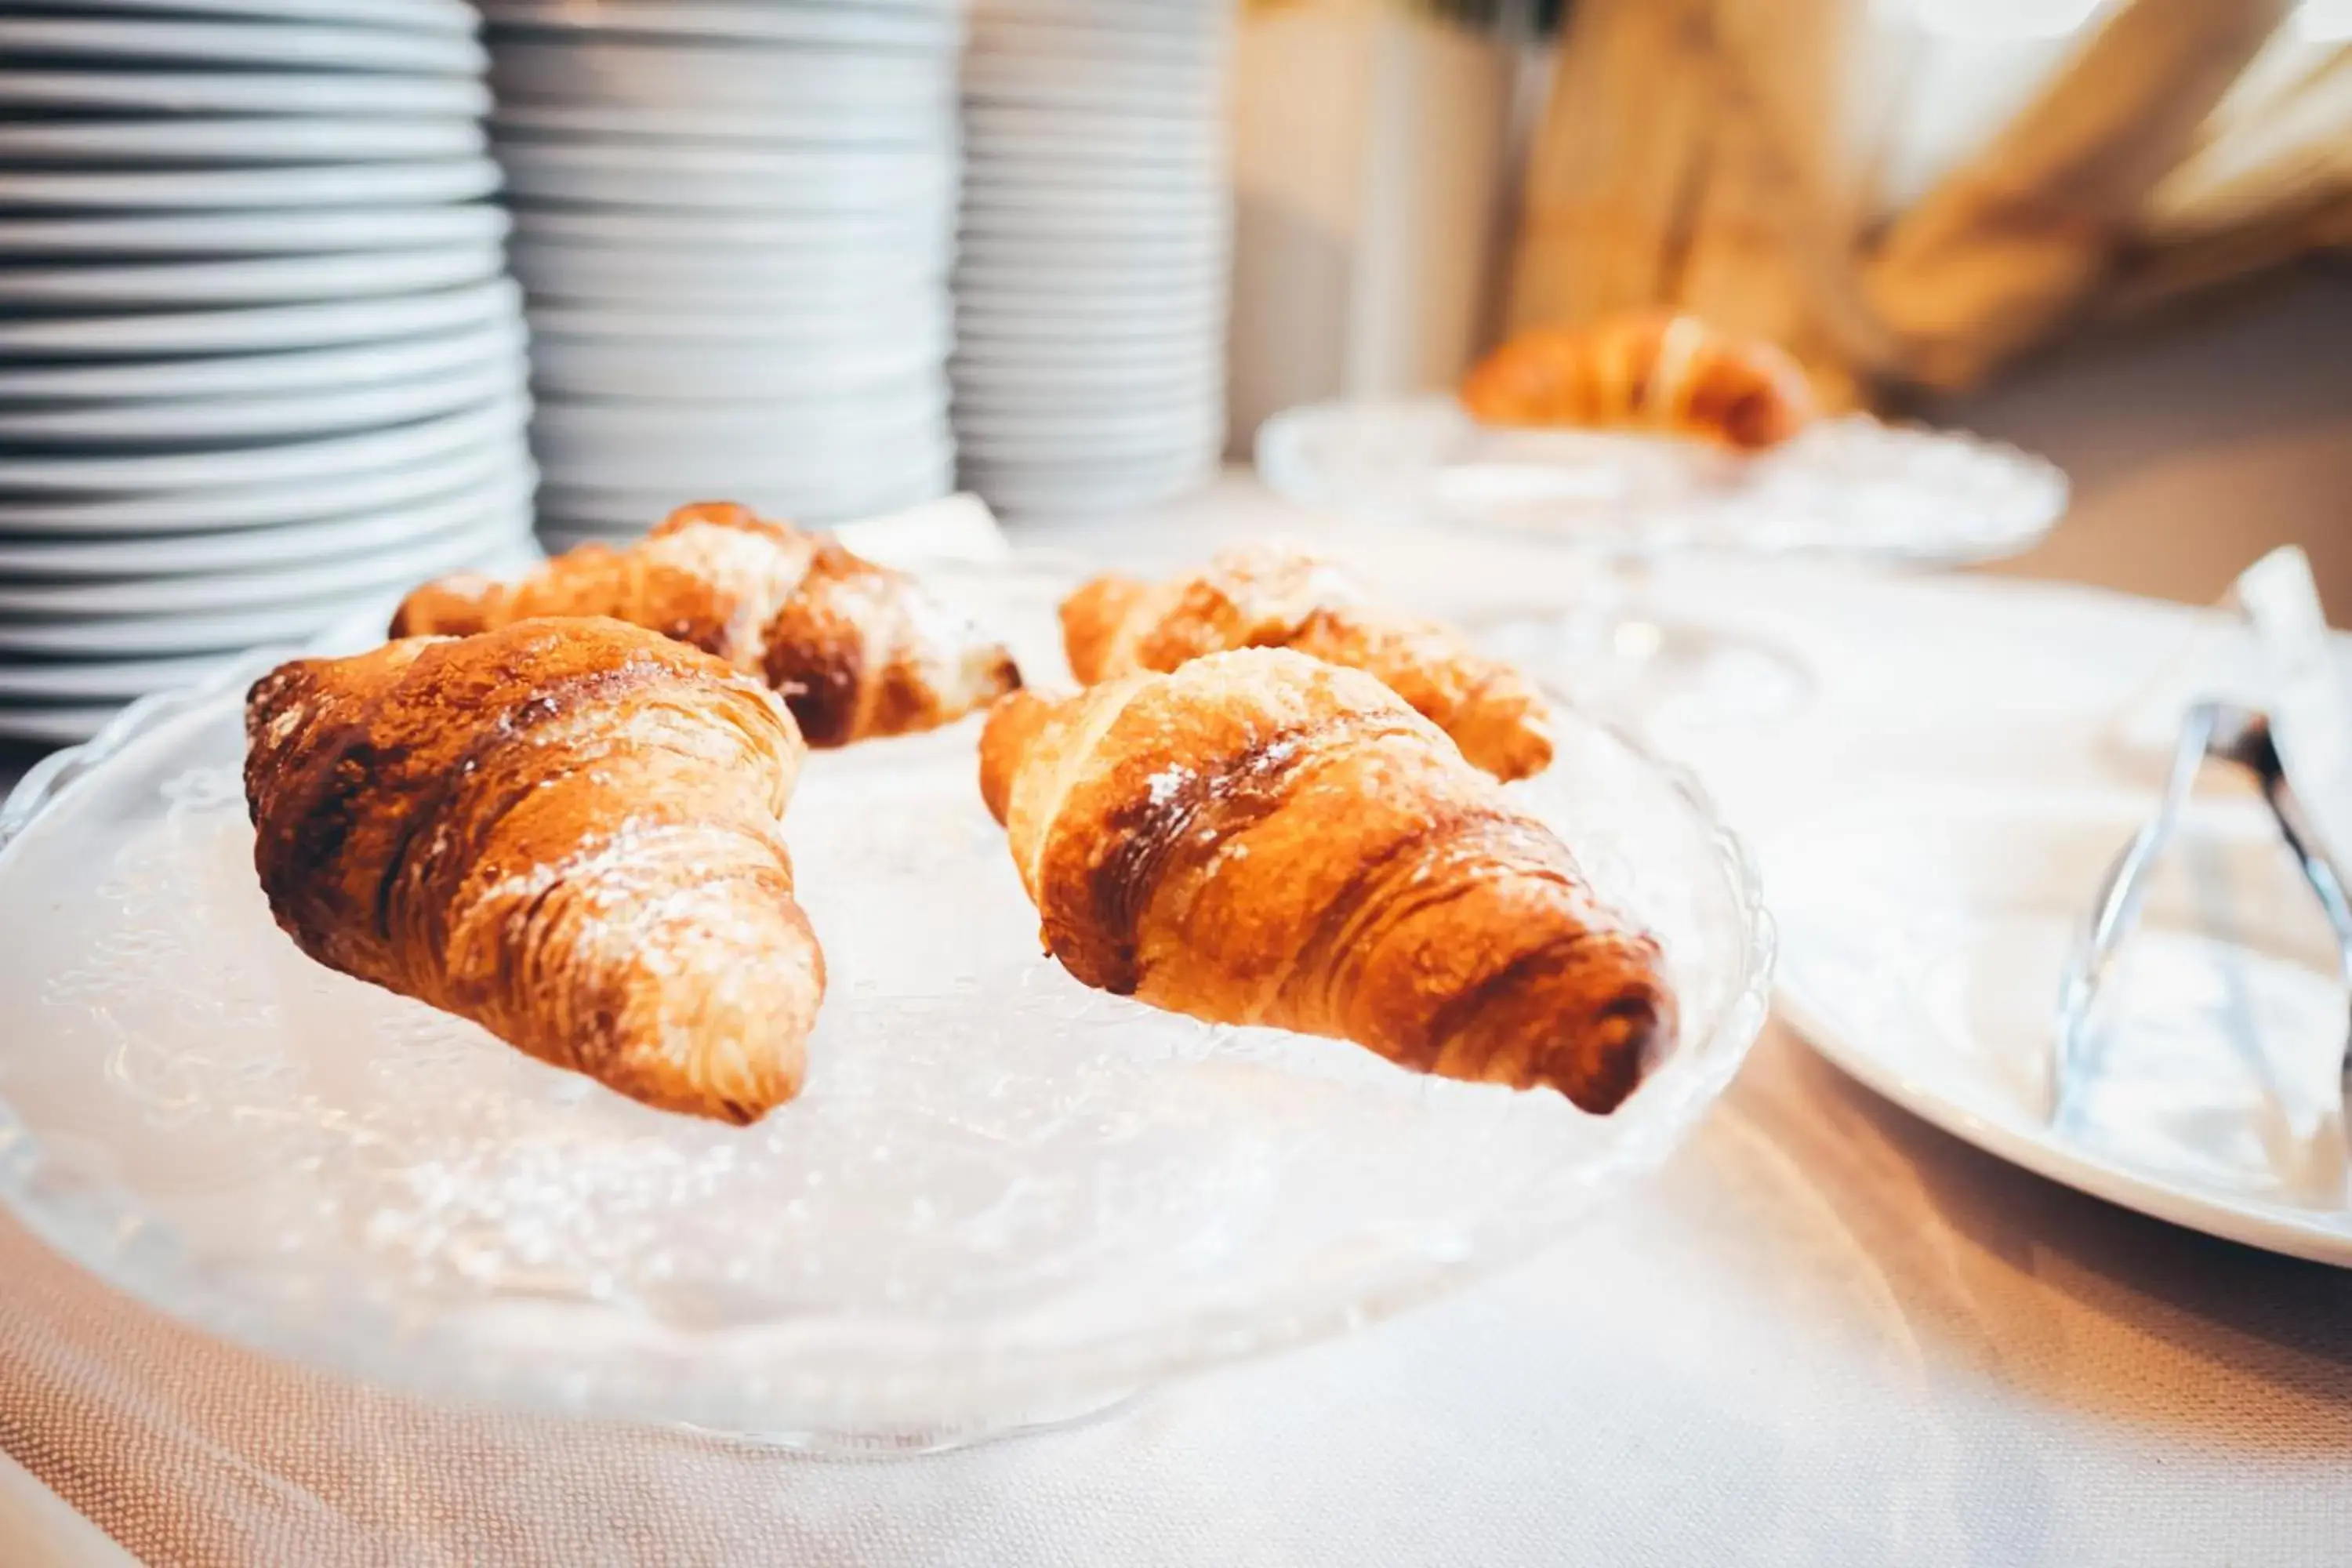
258	328
494	449
659	74
887	373
915	26
260	375
643	277
293	462
582	513
401	566
63	725
316	139
277	417
293	185
461	97
290	45
628	174
427	15
266	279
142	637
253	234
920	117
109	680
1923	935
286	545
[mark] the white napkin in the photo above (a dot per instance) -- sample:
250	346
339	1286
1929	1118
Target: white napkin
2268	649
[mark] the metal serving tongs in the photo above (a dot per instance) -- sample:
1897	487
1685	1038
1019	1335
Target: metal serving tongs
2233	733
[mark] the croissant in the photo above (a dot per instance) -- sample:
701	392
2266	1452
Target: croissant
565	830
857	650
1268	596
1260	837
1648	371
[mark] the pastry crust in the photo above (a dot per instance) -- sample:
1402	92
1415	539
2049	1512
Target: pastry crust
1260	837
1648	371
1272	596
567	831
857	650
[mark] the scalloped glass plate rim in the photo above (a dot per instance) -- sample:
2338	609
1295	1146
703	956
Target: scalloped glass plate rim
94	1223
1664	523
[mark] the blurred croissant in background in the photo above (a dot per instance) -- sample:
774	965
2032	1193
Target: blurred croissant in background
1644	370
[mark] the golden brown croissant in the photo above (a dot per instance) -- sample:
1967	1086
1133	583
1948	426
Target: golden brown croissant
1648	371
1264	838
565	830
1268	596
857	650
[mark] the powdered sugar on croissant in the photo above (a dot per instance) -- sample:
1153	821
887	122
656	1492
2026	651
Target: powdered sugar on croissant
1260	837
565	830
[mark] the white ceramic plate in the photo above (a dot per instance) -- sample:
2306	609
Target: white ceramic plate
1024	334
273	418
735	331
113	40
285	463
252	234
1175	280
154	555
924	118
660	76
586	514
149	636
114	680
143	637
1924	934
833	480
980	402
287	93
649	279
295	186
261	376
399	566
737	232
258	328
316	139
998	1190
1162	439
494	448
909	27
897	374
429	15
629	174
266	279
60	725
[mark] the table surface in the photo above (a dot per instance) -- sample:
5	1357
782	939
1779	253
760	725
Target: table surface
1825	1333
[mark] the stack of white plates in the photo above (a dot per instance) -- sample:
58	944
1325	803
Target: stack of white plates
734	221
260	365
1091	282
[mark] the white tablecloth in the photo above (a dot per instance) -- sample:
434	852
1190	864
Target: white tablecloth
1824	1334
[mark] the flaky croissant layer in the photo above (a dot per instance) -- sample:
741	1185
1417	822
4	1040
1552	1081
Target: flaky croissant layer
565	830
1272	596
1260	837
857	650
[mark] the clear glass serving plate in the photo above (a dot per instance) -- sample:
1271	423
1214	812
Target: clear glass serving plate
1002	1197
1851	486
